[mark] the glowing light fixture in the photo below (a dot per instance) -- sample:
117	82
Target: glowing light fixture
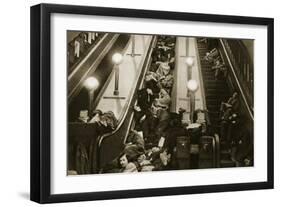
117	58
192	85
91	83
189	61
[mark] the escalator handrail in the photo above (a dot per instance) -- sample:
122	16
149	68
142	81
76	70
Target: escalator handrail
214	151
106	49
200	76
237	81
202	86
107	135
85	58
76	66
217	143
131	125
207	118
243	65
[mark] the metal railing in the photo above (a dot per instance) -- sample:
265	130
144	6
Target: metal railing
242	65
89	63
246	95
79	47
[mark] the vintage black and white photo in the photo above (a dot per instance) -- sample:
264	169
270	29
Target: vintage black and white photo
141	102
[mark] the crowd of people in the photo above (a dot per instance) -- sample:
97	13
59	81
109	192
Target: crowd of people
100	123
151	144
147	146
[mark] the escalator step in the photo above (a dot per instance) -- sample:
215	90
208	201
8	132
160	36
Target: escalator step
215	92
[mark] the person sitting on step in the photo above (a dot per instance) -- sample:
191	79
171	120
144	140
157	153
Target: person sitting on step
220	69
126	164
212	55
233	101
164	68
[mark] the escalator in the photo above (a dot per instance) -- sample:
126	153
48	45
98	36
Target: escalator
240	79
99	65
84	149
110	145
211	148
88	42
218	91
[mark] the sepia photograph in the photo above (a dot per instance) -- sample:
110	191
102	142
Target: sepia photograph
133	103
145	103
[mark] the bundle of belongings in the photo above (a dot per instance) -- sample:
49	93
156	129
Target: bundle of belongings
106	119
134	157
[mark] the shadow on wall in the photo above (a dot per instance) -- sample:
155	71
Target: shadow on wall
24	195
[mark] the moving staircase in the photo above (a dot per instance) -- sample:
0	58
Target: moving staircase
216	92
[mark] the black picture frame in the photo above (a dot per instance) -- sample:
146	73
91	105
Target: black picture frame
41	95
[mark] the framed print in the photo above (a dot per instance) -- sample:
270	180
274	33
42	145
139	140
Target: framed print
133	103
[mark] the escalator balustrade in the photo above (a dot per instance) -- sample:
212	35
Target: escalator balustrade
79	45
83	135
